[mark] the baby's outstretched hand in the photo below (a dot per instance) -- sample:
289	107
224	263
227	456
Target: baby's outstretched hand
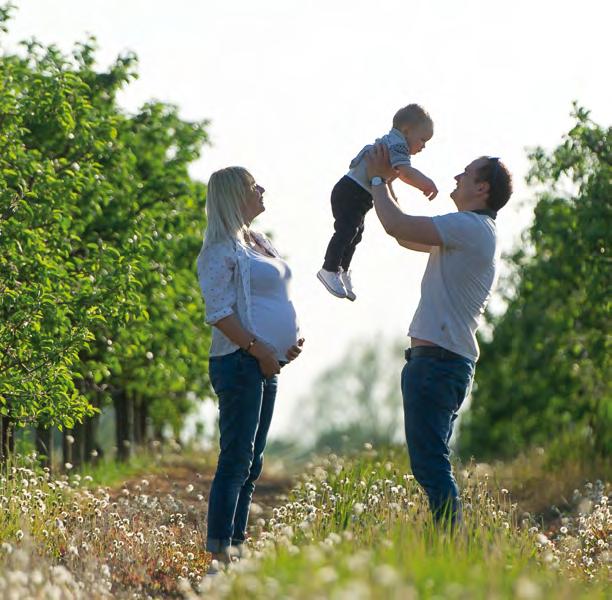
430	189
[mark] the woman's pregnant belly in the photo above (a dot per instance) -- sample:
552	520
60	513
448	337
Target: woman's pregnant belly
276	324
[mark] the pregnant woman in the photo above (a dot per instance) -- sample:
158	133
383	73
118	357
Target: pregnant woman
246	285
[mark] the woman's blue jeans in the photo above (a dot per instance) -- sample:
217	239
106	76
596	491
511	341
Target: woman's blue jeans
246	404
433	390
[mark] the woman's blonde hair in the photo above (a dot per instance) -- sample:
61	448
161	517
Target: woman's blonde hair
225	201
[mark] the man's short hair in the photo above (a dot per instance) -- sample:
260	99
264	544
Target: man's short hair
496	174
413	114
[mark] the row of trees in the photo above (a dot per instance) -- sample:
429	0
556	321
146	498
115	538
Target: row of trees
100	224
544	377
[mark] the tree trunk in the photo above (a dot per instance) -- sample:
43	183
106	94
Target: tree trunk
44	446
79	433
67	448
146	424
124	418
138	436
157	443
141	423
92	451
7	442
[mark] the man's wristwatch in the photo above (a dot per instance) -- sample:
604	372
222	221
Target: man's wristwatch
377	180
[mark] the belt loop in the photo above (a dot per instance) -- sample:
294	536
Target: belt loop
407	354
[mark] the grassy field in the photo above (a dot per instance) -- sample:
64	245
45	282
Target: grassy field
358	527
352	527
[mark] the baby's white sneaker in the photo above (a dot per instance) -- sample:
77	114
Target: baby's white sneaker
345	277
332	282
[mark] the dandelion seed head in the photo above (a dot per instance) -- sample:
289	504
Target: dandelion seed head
526	589
6	547
385	575
327	575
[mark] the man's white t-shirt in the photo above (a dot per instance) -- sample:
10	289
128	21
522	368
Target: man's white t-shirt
457	284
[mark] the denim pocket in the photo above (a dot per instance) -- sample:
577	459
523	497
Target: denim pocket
441	382
451	383
224	371
250	365
232	373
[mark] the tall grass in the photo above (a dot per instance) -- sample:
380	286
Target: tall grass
359	527
353	527
66	537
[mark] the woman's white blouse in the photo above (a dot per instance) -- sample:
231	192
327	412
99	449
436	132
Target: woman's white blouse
224	274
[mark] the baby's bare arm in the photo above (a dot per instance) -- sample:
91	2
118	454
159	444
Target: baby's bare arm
415	178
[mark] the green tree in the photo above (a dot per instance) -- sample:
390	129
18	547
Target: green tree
54	288
158	363
100	224
544	377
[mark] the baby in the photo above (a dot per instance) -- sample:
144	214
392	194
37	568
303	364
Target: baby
351	197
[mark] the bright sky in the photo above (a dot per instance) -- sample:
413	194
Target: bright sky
295	89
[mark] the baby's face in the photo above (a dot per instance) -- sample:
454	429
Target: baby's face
418	136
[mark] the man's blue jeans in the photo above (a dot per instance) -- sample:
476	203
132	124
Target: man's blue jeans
433	390
246	404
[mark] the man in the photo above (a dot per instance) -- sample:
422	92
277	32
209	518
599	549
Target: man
456	286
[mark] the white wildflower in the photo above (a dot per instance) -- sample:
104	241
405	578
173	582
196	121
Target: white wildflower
527	590
327	575
385	575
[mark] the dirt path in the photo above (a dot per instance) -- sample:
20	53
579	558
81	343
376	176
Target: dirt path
172	499
185	480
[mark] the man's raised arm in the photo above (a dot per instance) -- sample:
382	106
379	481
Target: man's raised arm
414	246
407	228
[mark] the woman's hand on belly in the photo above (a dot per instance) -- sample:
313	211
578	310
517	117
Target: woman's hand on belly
266	357
295	350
